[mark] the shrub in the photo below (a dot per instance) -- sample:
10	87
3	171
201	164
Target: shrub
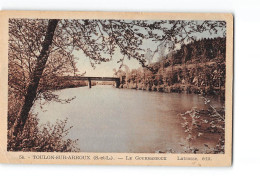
44	138
198	122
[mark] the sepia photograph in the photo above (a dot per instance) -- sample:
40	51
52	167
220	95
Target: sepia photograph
118	85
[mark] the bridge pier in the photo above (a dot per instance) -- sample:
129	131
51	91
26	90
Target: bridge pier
117	84
89	82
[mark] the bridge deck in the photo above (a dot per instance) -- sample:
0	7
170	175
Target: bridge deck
93	78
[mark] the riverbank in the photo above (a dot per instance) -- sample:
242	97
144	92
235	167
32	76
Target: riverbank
72	84
179	88
198	67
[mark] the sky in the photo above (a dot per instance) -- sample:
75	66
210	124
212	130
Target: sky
106	68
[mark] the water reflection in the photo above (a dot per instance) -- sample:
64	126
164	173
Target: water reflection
106	119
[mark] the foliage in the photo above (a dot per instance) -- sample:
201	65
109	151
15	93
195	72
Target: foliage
97	39
199	122
45	138
25	39
41	51
201	71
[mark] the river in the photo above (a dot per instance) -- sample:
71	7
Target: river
107	119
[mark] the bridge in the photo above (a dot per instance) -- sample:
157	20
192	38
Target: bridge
89	79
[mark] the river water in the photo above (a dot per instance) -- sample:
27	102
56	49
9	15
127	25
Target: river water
107	119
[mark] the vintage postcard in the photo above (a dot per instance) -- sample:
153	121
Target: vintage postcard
116	88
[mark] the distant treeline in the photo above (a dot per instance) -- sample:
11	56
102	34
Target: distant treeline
62	83
72	84
197	67
105	83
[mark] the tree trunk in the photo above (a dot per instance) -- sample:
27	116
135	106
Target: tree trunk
36	76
